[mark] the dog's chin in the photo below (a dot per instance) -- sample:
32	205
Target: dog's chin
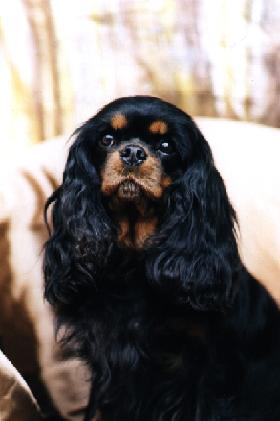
129	191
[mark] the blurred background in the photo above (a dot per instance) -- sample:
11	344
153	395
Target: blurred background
60	60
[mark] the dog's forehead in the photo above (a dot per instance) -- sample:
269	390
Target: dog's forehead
139	112
153	123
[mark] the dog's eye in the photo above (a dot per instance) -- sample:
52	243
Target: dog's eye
107	141
166	147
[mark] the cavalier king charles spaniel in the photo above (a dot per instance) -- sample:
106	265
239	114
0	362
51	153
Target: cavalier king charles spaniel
143	271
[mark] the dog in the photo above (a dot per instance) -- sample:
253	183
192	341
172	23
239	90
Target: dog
143	272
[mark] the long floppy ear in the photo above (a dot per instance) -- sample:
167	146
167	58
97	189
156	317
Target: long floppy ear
194	255
80	242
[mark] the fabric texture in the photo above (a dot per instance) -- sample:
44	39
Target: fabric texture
26	323
16	400
67	57
247	156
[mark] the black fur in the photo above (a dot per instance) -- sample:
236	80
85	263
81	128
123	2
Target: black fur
177	330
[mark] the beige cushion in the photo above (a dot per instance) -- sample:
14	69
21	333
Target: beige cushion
247	156
26	323
16	400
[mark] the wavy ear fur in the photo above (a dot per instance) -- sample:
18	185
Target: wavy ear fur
76	251
195	253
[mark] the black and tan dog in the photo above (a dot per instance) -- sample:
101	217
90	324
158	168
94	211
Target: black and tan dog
144	274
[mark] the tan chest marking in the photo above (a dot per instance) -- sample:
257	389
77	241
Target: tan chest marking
134	235
124	237
144	228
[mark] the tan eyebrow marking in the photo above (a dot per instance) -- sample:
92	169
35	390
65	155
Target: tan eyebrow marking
159	127
119	121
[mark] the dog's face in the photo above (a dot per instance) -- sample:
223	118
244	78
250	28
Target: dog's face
137	155
138	151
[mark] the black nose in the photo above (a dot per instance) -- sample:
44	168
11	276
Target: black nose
133	155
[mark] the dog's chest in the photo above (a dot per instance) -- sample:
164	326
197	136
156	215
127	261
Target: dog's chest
150	350
154	335
178	343
162	358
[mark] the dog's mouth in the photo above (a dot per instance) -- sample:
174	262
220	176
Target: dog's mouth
129	190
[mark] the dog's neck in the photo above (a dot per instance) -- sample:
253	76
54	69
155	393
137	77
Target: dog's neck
136	220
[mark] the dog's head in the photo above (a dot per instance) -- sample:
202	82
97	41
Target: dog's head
140	175
137	146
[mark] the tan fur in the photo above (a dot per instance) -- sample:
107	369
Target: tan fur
144	207
150	173
119	121
129	191
148	176
135	236
152	182
112	174
124	230
144	228
165	181
158	127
